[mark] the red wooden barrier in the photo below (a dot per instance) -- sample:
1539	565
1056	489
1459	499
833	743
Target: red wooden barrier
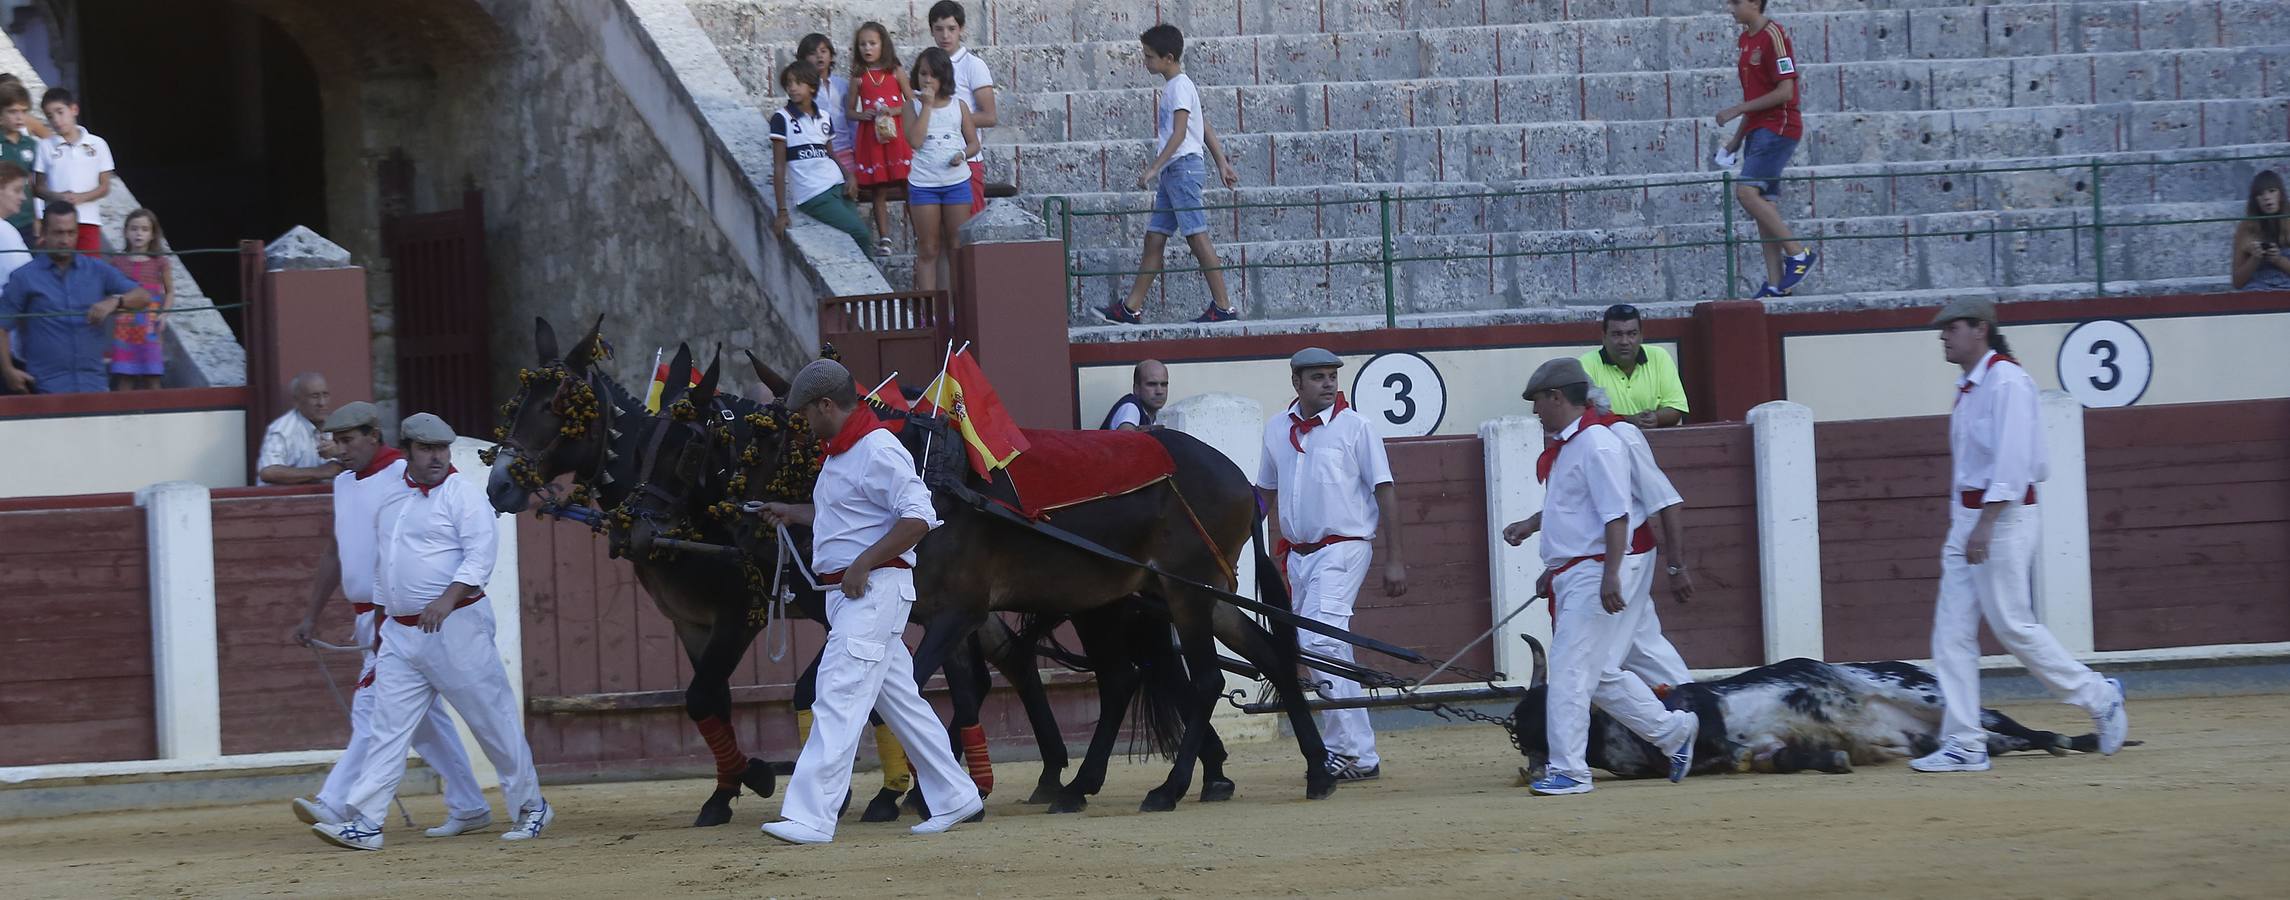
273	696
75	660
1714	469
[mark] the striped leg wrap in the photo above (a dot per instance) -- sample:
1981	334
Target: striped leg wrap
974	754
725	745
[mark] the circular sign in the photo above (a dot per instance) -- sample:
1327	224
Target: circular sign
2105	363
1401	393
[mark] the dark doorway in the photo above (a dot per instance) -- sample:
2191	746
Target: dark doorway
213	116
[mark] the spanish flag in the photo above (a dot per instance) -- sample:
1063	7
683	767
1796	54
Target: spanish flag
885	399
963	395
659	383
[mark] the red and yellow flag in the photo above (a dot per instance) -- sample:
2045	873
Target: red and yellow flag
963	395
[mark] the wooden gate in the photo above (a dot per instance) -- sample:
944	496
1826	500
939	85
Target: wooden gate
437	284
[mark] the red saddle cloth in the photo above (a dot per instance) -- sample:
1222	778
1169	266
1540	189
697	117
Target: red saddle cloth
1063	468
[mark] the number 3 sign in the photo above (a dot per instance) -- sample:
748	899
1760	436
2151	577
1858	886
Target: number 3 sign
2105	363
1401	394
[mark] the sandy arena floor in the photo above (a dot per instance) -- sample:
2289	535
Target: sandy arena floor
2199	811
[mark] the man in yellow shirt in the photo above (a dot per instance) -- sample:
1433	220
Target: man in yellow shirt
1640	381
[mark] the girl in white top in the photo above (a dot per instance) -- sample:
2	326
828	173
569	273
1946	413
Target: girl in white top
939	128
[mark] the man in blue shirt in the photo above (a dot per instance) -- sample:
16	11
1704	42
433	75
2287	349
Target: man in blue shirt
63	354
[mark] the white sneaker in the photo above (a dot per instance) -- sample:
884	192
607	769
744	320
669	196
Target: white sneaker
463	824
312	811
1682	759
351	835
529	825
795	832
2112	723
947	820
1952	758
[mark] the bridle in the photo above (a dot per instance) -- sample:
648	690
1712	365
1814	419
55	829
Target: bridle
576	404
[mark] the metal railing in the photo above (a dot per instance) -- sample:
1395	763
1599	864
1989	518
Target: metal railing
1059	213
109	254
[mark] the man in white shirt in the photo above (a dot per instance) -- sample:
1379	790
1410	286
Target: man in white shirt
973	85
1996	452
1141	407
1588	516
868	510
436	544
376	471
1327	486
293	450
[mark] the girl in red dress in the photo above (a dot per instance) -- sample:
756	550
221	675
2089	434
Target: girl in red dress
879	94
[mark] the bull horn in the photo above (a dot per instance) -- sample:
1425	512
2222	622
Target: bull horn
1541	675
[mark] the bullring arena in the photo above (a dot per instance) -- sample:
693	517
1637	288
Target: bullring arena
491	212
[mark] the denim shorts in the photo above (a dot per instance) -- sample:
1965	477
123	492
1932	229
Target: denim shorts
1177	203
956	194
1762	157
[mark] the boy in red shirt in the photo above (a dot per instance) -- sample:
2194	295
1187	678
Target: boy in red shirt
1770	127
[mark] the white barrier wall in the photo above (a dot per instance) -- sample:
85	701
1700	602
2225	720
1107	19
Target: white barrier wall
1511	444
1788	529
104	454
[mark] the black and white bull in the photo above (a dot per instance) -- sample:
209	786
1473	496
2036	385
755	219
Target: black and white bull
1792	716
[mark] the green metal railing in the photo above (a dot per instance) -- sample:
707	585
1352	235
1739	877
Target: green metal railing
1059	213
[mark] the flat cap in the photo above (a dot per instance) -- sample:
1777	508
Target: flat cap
820	378
1555	373
354	414
423	428
1966	308
1312	358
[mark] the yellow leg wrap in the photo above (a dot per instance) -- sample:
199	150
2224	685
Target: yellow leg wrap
802	727
896	775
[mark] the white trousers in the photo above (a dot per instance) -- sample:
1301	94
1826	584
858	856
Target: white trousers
1651	657
1324	585
2000	590
434	739
459	663
866	665
1588	646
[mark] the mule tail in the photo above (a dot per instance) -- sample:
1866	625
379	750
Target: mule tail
1272	590
1163	690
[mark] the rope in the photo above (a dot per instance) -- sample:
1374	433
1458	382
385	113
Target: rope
335	689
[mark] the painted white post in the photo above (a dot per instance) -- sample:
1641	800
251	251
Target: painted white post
1511	444
1788	529
1234	425
186	684
503	595
2063	560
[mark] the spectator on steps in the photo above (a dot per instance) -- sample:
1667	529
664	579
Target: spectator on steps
19	147
13	253
1140	409
817	50
973	85
1181	130
63	303
803	162
938	187
2259	264
74	167
293	452
875	100
138	357
1770	127
1640	380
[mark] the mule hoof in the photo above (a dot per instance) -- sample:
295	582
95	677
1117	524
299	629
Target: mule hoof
718	809
884	808
1064	803
1319	786
1156	801
758	777
1217	790
914	803
1046	791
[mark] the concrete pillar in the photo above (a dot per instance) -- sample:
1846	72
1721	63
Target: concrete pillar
1788	529
2063	559
186	686
503	595
1233	425
1511	444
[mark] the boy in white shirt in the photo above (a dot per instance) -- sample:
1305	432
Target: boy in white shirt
74	166
803	162
1183	134
973	85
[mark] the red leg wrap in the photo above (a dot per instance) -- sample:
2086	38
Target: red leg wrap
725	745
974	754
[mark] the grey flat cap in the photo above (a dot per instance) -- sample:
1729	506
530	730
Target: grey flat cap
1559	372
817	380
354	414
423	428
1312	358
1966	308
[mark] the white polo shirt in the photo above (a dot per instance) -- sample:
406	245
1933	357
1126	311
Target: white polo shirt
970	74
1589	487
811	166
430	540
1650	489
75	166
860	494
1328	489
1995	433
358	498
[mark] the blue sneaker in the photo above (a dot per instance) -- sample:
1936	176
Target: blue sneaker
1768	290
1119	313
1554	784
1682	759
1795	268
1217	313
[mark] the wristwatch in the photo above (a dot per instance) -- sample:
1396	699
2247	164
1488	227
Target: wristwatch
1677	570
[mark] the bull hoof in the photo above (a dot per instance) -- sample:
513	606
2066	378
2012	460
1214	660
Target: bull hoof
2059	745
1838	762
1158	800
758	777
1069	803
718	809
1216	790
1319	786
884	808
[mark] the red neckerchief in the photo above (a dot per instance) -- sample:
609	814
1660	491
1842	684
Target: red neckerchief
382	460
1966	387
426	488
856	426
1299	426
1551	445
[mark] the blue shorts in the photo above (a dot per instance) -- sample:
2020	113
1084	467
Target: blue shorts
1762	157
956	194
1177	202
